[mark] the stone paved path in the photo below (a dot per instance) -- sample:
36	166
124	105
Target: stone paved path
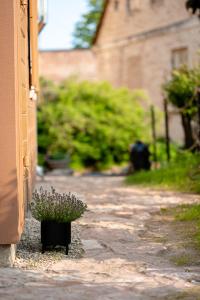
119	262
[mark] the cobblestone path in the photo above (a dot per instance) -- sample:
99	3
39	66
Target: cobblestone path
120	261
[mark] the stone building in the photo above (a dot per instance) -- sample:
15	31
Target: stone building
19	88
137	44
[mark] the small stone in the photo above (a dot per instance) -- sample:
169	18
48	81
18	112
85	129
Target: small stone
91	245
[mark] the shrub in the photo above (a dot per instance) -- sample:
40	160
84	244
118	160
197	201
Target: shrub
53	206
181	91
93	122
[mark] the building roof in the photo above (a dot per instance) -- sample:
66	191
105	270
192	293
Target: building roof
106	2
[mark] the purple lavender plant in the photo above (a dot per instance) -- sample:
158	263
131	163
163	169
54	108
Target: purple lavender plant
53	206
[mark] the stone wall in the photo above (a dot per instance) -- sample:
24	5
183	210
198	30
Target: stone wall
60	65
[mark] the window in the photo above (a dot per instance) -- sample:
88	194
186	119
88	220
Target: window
128	6
134	74
42	11
179	57
157	2
116	4
132	5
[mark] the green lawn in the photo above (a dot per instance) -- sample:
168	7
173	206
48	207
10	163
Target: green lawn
188	218
183	174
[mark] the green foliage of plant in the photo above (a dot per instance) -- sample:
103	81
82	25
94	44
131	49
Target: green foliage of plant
53	206
177	175
181	260
93	122
189	216
181	89
188	212
161	150
48	91
86	27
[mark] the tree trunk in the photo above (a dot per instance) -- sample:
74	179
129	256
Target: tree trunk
186	122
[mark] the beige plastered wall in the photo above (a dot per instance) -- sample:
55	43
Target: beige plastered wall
17	119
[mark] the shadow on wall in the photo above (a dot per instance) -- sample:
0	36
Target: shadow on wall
10	211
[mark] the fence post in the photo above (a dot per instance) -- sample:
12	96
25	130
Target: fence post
167	138
198	107
153	125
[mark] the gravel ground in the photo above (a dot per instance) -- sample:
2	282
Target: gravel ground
29	254
127	252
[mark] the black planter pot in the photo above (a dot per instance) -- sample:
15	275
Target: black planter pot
55	234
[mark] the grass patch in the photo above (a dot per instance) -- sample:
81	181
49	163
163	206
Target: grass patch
186	219
181	260
188	212
181	175
188	294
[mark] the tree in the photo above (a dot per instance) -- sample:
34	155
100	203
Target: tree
86	27
194	5
181	91
93	122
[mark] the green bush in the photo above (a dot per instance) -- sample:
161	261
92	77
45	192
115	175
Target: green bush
93	122
181	88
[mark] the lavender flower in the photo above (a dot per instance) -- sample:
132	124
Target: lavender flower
53	206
